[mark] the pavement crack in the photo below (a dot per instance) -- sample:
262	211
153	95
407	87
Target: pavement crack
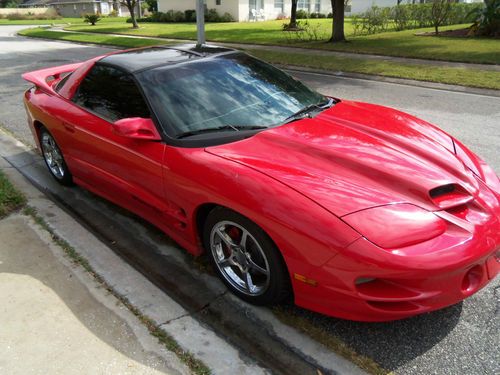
199	310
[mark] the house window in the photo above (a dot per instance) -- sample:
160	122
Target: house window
74	6
83	6
304	5
317	6
218	2
279	5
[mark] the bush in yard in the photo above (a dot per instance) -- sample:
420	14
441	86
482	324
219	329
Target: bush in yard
374	20
226	17
212	16
401	17
190	15
92	18
487	19
317	15
179	16
186	16
302	14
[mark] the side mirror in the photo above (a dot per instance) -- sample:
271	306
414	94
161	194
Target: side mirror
137	128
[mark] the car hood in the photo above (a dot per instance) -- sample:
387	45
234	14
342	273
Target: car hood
355	156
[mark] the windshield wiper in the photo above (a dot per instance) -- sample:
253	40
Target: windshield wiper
219	128
306	111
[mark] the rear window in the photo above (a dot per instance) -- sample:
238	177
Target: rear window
61	83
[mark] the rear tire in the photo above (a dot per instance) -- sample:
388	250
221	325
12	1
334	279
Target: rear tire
54	158
245	258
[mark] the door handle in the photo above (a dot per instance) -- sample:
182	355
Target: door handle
69	127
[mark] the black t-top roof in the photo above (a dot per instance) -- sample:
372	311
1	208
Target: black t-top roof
150	57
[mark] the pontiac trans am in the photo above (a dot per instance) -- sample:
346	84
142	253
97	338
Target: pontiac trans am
349	209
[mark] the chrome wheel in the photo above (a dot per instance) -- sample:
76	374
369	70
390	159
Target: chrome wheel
240	258
53	156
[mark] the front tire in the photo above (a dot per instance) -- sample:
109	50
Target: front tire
54	158
245	258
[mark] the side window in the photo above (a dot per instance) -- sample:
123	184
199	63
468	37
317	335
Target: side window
111	93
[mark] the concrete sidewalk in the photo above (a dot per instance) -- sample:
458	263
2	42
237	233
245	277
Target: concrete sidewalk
53	319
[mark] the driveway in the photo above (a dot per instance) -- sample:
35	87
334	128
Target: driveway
462	339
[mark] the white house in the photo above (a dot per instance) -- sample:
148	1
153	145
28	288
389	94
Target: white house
250	10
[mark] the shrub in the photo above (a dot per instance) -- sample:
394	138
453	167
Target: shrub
190	15
410	16
329	15
302	14
317	15
226	17
91	18
113	13
401	16
186	16
179	16
374	20
212	16
305	32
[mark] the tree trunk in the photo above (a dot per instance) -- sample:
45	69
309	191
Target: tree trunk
134	21
293	15
436	29
131	8
338	21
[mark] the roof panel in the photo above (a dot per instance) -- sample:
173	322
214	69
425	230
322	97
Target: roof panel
162	55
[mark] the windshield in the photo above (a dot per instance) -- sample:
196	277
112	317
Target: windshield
226	93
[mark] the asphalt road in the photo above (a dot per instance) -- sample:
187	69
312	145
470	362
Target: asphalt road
463	339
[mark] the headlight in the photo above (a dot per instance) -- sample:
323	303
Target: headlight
396	225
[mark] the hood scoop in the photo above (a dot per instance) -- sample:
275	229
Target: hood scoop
449	196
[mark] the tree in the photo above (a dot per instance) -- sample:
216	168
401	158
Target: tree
440	12
293	16
152	5
338	7
131	4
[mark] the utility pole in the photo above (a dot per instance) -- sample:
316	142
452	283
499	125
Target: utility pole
200	22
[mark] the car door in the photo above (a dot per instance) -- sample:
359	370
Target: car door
124	170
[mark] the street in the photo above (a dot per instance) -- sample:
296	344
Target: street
462	339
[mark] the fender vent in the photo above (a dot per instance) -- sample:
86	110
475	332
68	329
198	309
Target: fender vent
449	196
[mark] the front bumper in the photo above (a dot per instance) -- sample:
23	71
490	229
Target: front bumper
367	283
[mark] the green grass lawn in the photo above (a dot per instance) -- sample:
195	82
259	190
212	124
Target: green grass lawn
459	76
392	43
455	76
10	198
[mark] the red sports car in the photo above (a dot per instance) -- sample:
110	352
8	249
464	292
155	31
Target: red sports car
353	210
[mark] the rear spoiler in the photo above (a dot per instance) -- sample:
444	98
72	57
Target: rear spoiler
45	77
